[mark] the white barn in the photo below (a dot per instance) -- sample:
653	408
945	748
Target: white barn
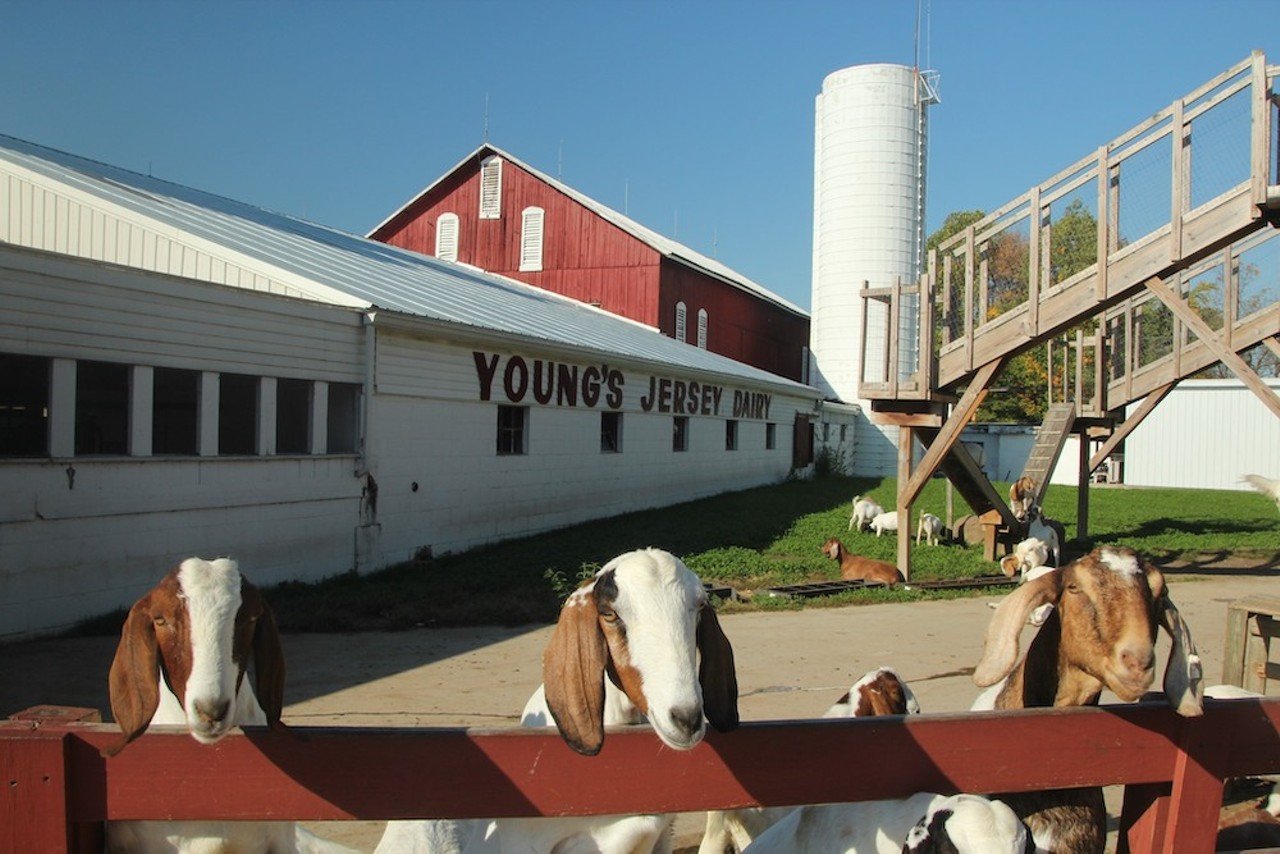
184	374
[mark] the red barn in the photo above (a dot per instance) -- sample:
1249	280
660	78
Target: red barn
496	213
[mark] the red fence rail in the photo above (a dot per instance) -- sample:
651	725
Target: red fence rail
56	790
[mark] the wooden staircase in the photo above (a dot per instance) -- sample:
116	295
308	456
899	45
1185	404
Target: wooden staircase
1050	439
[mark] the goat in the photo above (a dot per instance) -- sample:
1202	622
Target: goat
1022	495
864	510
878	692
1100	634
1269	487
885	522
965	824
624	651
857	568
1029	553
181	660
930	527
1047	531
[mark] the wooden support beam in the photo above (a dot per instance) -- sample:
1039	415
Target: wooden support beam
1149	403
1273	344
905	419
1084	478
961	415
906	446
1213	342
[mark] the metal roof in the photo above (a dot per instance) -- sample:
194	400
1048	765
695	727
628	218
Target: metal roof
369	274
663	245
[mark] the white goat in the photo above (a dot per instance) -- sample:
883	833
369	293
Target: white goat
1022	495
864	510
1268	486
965	824
1100	634
930	527
1045	530
878	692
644	619
195	632
885	522
1029	553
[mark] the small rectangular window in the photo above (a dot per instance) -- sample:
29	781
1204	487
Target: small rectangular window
531	240
491	188
102	408
293	416
731	435
237	415
770	436
343	418
24	406
844	431
680	433
447	237
610	432
826	431
511	429
175	414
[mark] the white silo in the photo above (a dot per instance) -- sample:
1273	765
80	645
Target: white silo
869	191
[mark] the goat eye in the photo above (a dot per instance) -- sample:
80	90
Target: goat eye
609	616
1073	588
159	621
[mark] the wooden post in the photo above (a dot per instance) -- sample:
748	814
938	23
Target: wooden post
34	814
1084	478
906	444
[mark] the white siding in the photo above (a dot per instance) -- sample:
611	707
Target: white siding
1215	430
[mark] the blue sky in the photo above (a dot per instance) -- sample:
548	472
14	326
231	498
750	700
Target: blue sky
696	117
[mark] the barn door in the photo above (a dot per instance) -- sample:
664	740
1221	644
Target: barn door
802	441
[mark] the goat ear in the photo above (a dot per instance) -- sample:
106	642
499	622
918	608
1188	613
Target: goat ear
716	673
1183	673
1000	651
573	674
268	667
134	681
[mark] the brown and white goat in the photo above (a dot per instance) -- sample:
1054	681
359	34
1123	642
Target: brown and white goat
855	567
1022	494
182	657
1107	607
879	692
637	643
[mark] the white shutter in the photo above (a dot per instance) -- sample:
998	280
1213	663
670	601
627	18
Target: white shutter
531	239
680	313
491	188
702	328
447	237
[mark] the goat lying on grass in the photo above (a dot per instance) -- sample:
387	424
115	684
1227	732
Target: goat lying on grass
181	660
1100	634
857	568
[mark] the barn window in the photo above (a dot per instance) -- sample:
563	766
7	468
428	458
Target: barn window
511	430
680	433
610	432
237	415
531	239
175	421
491	188
24	406
293	417
102	408
447	237
702	328
770	436
731	435
680	323
343	418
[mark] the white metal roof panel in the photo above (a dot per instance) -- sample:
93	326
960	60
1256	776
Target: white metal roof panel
375	274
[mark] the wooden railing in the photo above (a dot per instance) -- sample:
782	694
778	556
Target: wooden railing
56	790
1171	192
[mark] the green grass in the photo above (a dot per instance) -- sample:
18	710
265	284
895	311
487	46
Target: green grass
748	540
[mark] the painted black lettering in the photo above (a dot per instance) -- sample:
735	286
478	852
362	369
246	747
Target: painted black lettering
544	383
567	385
515	379
591	385
647	401
486	367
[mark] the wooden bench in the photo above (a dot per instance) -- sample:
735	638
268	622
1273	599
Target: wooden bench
1251	624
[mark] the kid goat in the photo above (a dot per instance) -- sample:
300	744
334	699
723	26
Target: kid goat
181	660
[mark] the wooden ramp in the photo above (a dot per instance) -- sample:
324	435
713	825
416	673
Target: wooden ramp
1164	285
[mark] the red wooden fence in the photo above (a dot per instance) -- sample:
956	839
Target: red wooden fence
55	789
